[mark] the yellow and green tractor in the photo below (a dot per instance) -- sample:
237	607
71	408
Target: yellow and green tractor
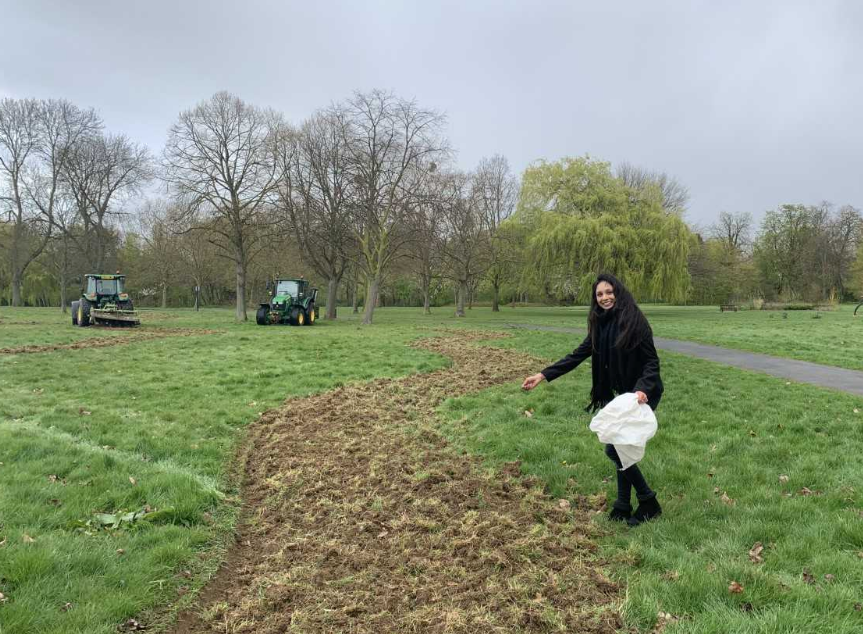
104	302
291	302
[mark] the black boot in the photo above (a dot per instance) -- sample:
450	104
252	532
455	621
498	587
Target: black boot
620	514
646	511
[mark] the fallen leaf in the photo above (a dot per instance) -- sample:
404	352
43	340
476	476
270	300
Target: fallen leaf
66	607
746	607
55	502
528	413
120	551
807	577
735	588
752	433
856	411
726	500
829	578
806	491
783	479
710	474
27	539
564	504
858	607
84	412
671	575
755	553
133	626
3	598
133	481
3	542
715	490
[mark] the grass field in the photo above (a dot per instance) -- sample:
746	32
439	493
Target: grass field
142	436
829	337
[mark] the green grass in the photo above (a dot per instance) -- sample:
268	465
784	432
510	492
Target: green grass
76	425
829	337
719	428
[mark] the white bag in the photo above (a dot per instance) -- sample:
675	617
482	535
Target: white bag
627	425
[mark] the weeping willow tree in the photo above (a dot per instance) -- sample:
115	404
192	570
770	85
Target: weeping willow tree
582	220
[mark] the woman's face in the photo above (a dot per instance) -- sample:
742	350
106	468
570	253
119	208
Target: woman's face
605	295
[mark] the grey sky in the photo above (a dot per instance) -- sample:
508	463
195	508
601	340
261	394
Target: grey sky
750	104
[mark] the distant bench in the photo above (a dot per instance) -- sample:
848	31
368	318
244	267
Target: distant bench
732	307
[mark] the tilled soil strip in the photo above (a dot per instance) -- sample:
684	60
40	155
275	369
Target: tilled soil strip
358	517
104	342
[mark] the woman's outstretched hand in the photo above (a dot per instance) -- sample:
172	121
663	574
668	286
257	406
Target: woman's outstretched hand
532	381
641	396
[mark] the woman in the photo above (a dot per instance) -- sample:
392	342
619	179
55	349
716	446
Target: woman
619	343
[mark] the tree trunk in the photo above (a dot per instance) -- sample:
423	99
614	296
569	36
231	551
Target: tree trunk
16	287
371	301
354	296
164	295
495	300
460	295
63	308
241	293
332	294
426	299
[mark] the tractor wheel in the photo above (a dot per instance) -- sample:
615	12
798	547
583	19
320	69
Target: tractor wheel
262	317
294	316
74	313
83	313
301	317
310	320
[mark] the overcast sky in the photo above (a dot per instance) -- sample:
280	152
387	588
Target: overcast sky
749	104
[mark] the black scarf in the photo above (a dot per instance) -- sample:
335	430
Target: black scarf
606	366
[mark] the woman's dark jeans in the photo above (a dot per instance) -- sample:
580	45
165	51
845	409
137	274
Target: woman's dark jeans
626	481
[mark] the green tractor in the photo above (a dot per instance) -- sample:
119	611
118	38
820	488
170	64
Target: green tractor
104	302
292	302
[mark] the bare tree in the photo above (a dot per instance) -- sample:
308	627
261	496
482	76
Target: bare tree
424	254
392	146
733	230
102	172
36	141
465	242
675	195
497	191
220	157
315	196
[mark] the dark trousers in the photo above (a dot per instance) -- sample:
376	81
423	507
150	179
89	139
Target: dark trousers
627	480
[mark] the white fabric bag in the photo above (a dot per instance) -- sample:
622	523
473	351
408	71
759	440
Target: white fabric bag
627	425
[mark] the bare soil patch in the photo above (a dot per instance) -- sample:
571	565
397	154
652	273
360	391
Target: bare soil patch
104	342
358	517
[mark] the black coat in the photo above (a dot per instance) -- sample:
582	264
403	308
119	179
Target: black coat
615	370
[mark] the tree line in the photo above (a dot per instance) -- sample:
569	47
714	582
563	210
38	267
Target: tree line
364	198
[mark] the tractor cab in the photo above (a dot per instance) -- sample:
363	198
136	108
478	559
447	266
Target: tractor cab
105	287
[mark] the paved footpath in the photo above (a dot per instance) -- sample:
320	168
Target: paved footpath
850	381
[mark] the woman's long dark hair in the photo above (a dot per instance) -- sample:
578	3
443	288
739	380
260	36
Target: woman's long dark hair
631	322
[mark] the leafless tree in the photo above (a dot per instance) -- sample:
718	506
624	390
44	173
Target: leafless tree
393	145
37	139
497	191
315	196
153	223
465	239
675	195
102	172
734	230
220	158
424	254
